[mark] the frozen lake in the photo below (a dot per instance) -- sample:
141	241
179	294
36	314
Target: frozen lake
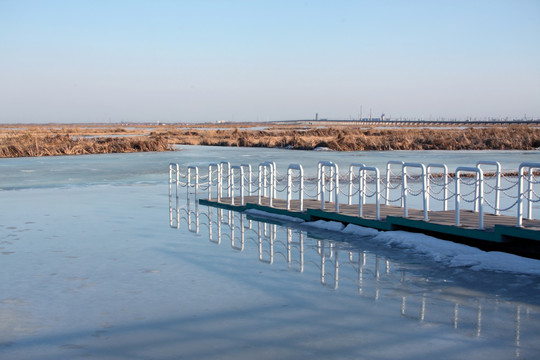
98	262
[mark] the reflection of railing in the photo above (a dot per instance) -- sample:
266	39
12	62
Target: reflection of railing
373	276
484	192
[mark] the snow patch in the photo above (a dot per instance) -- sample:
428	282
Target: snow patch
360	230
326	225
443	251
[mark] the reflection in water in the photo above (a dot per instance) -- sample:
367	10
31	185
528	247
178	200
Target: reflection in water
368	272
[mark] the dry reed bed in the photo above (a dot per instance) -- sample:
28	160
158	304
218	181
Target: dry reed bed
358	139
28	144
44	140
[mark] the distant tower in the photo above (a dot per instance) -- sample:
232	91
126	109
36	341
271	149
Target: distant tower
316	116
383	117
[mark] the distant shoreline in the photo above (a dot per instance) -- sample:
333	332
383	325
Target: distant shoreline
24	140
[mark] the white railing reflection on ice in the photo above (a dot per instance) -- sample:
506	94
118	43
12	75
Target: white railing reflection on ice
372	276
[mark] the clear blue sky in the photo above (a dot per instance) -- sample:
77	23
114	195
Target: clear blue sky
198	61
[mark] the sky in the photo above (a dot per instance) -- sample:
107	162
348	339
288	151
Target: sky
206	61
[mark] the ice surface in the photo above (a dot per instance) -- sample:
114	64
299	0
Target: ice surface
109	267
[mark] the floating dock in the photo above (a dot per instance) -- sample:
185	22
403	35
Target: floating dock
488	231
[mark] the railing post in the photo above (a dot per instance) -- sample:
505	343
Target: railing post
319	180
248	166
336	186
404	191
241	169
260	184
351	173
263	167
388	173
362	186
210	166
521	193
334	172
196	170
425	191
289	185
479	194
497	182
228	174
274	178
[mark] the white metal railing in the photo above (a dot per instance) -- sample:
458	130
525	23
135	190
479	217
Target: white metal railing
528	194
300	169
388	177
444	185
422	184
497	183
323	166
267	181
195	171
351	180
249	176
405	189
362	185
241	170
218	182
479	195
227	178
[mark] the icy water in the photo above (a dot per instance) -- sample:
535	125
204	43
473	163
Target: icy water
96	261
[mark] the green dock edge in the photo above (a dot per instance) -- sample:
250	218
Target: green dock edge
501	236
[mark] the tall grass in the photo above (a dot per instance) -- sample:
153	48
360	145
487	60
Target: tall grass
357	139
26	144
44	140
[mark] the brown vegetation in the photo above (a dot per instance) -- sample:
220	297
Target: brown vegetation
40	140
357	139
28	144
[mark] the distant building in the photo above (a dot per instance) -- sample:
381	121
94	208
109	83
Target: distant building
383	117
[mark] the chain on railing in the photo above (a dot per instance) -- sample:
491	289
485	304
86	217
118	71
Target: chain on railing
444	186
249	177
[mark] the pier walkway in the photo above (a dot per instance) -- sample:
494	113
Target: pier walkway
401	200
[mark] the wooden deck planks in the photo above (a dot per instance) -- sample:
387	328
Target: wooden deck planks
468	219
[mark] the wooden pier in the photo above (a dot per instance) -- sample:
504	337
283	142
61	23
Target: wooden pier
500	232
